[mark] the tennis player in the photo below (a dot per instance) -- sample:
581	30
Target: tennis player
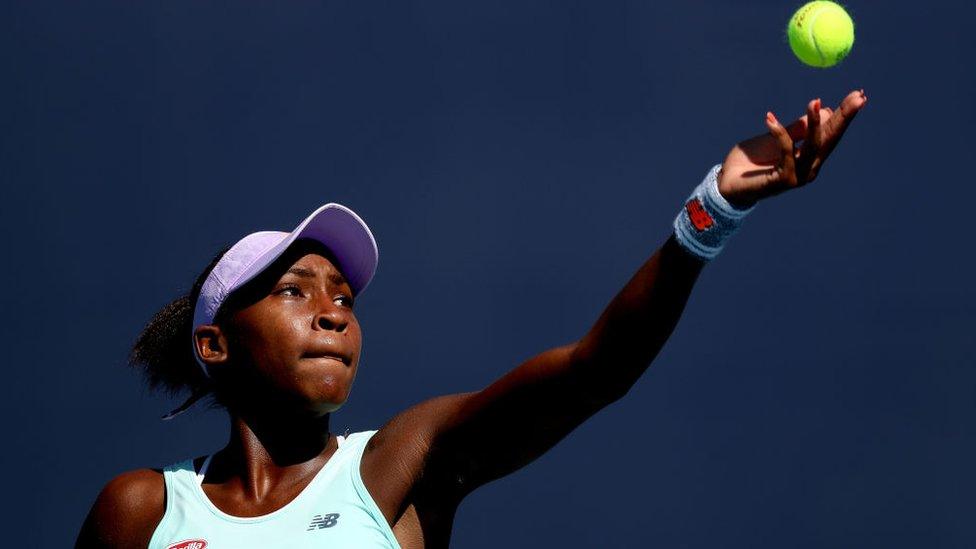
269	332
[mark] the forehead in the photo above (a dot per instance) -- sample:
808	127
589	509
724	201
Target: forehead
310	259
315	265
304	259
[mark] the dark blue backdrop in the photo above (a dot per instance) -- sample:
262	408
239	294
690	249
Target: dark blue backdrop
517	162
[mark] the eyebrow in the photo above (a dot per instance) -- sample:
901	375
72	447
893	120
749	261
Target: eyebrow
335	277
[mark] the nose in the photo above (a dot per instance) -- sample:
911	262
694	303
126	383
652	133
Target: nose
332	318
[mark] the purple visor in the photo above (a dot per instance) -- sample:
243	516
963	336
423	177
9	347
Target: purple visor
337	227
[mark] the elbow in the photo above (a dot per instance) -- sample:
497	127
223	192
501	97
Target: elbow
601	379
612	391
600	385
607	376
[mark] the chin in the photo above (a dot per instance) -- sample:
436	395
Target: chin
326	405
326	394
323	408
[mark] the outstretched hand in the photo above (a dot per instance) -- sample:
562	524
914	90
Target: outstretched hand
771	163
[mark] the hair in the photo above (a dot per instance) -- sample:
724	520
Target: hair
164	350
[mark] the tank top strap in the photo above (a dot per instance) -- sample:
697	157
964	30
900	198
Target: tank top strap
181	475
335	509
347	491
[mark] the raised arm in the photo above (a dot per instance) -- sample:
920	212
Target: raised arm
528	410
463	441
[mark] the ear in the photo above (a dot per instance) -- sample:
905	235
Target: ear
211	344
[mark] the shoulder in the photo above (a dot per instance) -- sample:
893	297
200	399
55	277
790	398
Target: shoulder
126	511
414	429
397	459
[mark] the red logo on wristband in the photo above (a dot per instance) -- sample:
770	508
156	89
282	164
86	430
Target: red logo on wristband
699	217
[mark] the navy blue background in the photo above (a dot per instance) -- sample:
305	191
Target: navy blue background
517	161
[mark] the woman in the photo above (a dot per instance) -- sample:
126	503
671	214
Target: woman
275	340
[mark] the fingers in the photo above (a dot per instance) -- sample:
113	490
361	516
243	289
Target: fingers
813	120
807	161
819	130
839	121
786	169
798	128
850	106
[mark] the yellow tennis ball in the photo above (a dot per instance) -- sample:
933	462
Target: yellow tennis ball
821	33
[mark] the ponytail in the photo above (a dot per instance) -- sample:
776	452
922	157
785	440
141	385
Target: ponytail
164	350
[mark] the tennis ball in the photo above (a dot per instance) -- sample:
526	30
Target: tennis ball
821	33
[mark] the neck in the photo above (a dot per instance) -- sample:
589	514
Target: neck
268	449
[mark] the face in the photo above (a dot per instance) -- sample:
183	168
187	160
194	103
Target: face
290	336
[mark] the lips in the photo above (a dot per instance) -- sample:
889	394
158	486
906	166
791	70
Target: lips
329	353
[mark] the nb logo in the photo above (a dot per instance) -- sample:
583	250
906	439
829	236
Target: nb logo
699	217
323	521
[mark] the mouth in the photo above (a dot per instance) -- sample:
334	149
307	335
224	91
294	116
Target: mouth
329	355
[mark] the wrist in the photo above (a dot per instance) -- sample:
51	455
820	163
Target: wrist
740	200
708	218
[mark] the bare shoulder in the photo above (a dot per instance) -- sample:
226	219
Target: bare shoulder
126	511
418	424
396	461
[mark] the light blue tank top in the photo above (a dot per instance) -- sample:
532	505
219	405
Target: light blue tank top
333	511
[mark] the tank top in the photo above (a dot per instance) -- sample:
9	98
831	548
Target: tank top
334	510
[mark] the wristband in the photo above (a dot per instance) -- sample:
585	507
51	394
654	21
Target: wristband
708	219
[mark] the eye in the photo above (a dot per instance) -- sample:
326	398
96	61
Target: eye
348	301
290	290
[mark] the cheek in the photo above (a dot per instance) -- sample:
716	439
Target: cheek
271	345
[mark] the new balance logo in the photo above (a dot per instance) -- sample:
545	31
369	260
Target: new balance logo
699	217
323	521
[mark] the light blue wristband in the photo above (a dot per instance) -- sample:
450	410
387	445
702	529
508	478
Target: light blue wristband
707	220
